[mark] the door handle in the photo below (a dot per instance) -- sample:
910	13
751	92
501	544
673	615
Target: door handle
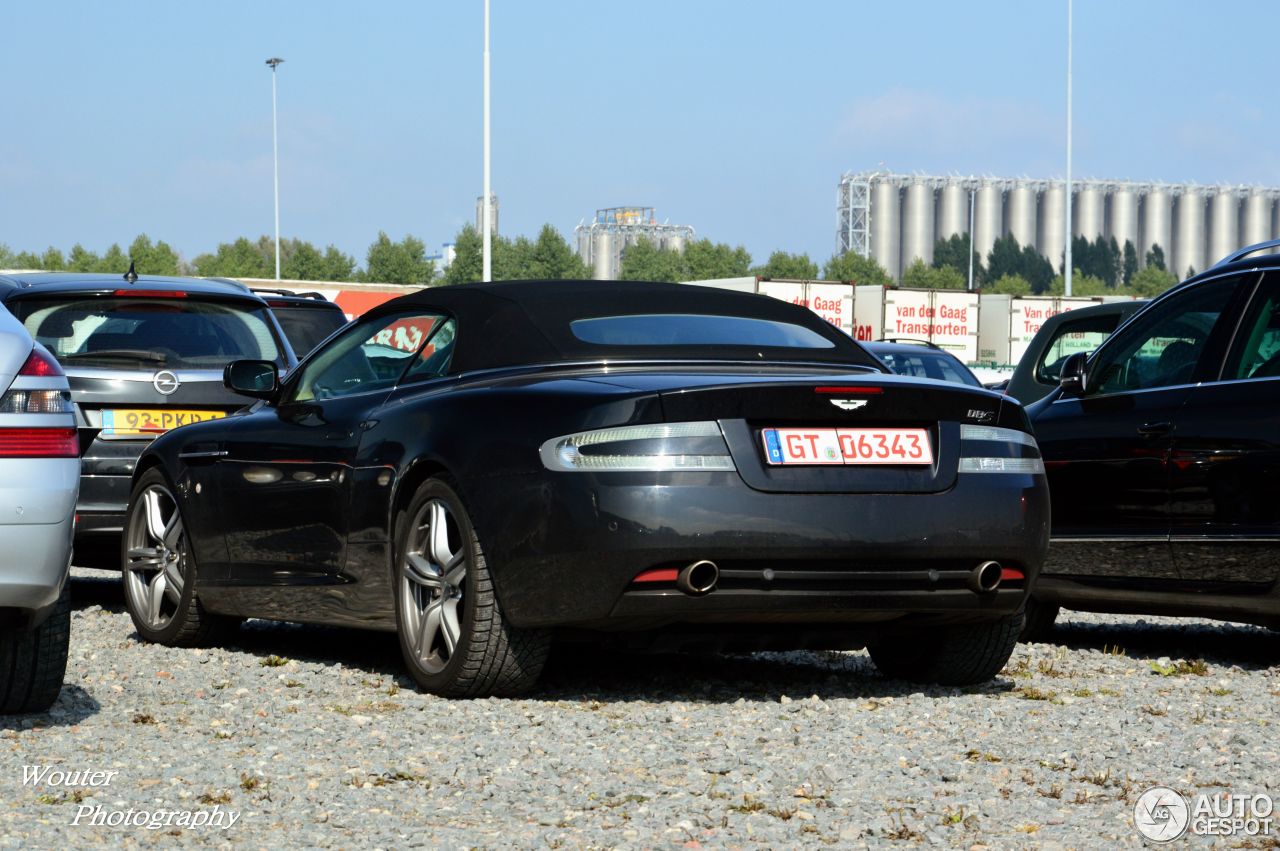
1155	429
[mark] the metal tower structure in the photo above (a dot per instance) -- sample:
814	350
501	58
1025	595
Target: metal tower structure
853	215
603	241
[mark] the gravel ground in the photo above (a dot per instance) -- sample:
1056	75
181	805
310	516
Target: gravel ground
314	737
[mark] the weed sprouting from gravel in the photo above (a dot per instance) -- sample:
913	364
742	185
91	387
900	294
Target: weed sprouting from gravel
1113	650
973	755
1109	692
273	661
215	798
1097	778
1054	791
1219	691
75	796
1082	692
248	782
1199	716
1181	668
1158	711
900	829
1033	693
143	718
387	778
748	805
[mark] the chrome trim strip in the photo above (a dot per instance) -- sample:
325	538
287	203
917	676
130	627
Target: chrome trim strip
113	374
211	453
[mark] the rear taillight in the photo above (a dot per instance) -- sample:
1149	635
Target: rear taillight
39	443
666	447
40	364
151	293
36	402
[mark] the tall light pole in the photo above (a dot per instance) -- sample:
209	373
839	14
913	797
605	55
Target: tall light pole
486	215
1066	272
972	194
274	62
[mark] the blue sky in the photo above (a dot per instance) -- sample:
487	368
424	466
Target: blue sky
735	117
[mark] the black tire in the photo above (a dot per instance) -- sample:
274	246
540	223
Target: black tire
489	657
1039	620
955	655
188	623
33	662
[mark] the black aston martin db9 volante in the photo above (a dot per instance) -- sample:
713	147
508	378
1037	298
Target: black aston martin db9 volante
484	468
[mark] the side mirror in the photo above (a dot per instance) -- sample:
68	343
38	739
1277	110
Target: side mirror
259	379
1073	377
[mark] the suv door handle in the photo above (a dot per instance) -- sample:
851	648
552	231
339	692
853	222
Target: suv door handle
1155	429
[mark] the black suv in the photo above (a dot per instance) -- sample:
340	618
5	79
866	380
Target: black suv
142	355
1162	450
306	318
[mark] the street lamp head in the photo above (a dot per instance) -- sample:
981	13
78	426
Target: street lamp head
274	61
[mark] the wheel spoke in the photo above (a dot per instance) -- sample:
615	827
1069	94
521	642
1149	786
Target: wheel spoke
154	514
155	595
458	573
173	582
429	626
449	627
172	530
438	536
421	571
144	558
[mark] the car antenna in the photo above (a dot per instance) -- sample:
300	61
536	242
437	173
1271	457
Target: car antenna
131	276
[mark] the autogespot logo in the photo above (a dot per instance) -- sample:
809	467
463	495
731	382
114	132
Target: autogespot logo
1161	814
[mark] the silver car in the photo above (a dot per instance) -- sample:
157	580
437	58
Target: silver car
39	481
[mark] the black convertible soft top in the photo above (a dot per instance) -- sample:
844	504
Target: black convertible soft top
513	323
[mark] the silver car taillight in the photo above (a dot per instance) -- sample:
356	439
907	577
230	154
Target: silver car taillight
36	402
34	437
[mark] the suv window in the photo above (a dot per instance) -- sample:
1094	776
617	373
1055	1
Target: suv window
305	327
1163	347
367	356
175	332
1256	353
1081	335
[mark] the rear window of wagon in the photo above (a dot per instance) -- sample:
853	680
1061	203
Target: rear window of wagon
181	333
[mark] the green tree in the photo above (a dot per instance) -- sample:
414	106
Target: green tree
852	266
1009	259
1009	285
6	257
551	258
337	266
1081	285
27	260
1155	257
52	260
80	259
149	259
921	276
467	260
783	265
954	251
403	262
645	261
239	259
112	261
706	260
1151	280
1130	263
301	261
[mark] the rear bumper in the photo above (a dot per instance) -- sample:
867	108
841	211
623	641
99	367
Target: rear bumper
565	548
106	477
36	504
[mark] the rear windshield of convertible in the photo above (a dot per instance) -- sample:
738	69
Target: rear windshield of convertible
687	329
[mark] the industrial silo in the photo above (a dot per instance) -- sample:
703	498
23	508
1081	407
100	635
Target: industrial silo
988	215
917	224
1157	206
884	223
1020	223
1088	211
1224	223
602	256
675	242
1053	217
953	210
1188	232
1255	218
1124	215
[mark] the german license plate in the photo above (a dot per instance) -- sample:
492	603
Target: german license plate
142	421
847	446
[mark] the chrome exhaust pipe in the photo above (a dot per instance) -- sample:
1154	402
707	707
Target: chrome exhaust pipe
698	578
985	578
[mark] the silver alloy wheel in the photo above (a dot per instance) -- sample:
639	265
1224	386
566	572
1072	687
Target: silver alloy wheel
156	561
432	574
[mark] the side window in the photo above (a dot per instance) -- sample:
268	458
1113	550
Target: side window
1256	353
1164	347
1082	335
367	356
433	360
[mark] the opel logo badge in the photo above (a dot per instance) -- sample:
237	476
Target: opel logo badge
165	382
